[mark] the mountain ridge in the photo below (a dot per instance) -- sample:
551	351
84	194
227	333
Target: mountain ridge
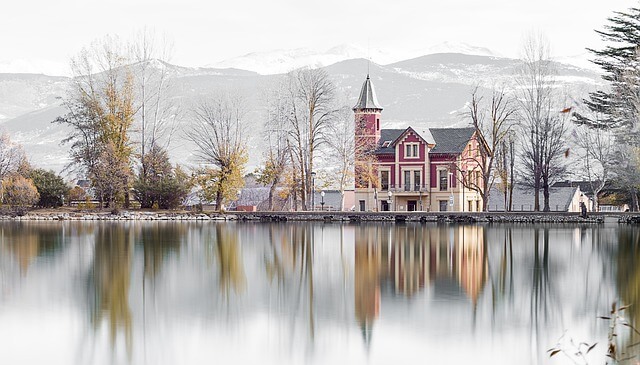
426	91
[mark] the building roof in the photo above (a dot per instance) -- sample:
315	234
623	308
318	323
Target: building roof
367	98
451	140
388	135
523	199
332	199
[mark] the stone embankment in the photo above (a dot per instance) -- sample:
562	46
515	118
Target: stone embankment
397	217
121	216
423	217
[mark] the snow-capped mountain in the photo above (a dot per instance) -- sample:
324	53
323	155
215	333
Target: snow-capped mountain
453	47
426	91
282	61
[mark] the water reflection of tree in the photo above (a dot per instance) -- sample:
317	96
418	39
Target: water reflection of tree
109	282
290	261
225	247
26	241
628	282
159	241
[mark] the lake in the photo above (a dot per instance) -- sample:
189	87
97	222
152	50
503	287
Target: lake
291	293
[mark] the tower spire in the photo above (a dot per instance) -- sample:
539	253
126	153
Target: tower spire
367	99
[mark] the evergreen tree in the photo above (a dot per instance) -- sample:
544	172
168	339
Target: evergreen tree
618	109
51	187
619	60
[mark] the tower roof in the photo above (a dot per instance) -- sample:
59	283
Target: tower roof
367	98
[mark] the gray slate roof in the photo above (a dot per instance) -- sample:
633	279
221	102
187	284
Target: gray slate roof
450	140
523	199
388	135
367	98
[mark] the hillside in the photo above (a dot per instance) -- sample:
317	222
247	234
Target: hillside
427	91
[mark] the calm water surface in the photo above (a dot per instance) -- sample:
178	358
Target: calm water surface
205	293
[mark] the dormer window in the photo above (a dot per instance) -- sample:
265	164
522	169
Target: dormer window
386	144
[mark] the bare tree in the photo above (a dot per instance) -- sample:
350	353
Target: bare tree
505	168
277	156
156	110
311	99
598	154
219	135
12	156
542	129
341	144
492	125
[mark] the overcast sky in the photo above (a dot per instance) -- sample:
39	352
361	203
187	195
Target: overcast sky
41	35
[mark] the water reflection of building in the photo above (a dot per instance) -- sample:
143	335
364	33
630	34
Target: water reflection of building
412	257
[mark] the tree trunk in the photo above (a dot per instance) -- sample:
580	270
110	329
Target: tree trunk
545	191
634	200
219	200
272	189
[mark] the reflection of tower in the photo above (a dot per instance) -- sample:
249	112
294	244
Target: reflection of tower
367	280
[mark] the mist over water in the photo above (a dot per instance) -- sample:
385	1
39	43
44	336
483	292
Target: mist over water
290	293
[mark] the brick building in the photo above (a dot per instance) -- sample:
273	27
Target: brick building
404	170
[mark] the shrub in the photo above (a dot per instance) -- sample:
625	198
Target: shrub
19	191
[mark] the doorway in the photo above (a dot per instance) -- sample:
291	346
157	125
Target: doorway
412	205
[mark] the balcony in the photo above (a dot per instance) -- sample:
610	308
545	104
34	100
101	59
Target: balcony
405	188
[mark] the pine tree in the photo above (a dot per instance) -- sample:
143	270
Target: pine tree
619	60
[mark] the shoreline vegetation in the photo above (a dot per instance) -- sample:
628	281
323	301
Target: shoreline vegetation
380	217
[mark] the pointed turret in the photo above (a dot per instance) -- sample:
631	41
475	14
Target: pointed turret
367	98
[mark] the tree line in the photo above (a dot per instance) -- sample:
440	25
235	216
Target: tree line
123	115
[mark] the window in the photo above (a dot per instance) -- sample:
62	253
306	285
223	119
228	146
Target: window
443	205
362	206
443	176
411	150
416	180
384	180
378	124
407	181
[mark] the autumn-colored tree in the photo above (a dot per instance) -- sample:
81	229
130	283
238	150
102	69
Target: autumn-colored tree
101	112
76	194
218	133
110	177
19	191
218	185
